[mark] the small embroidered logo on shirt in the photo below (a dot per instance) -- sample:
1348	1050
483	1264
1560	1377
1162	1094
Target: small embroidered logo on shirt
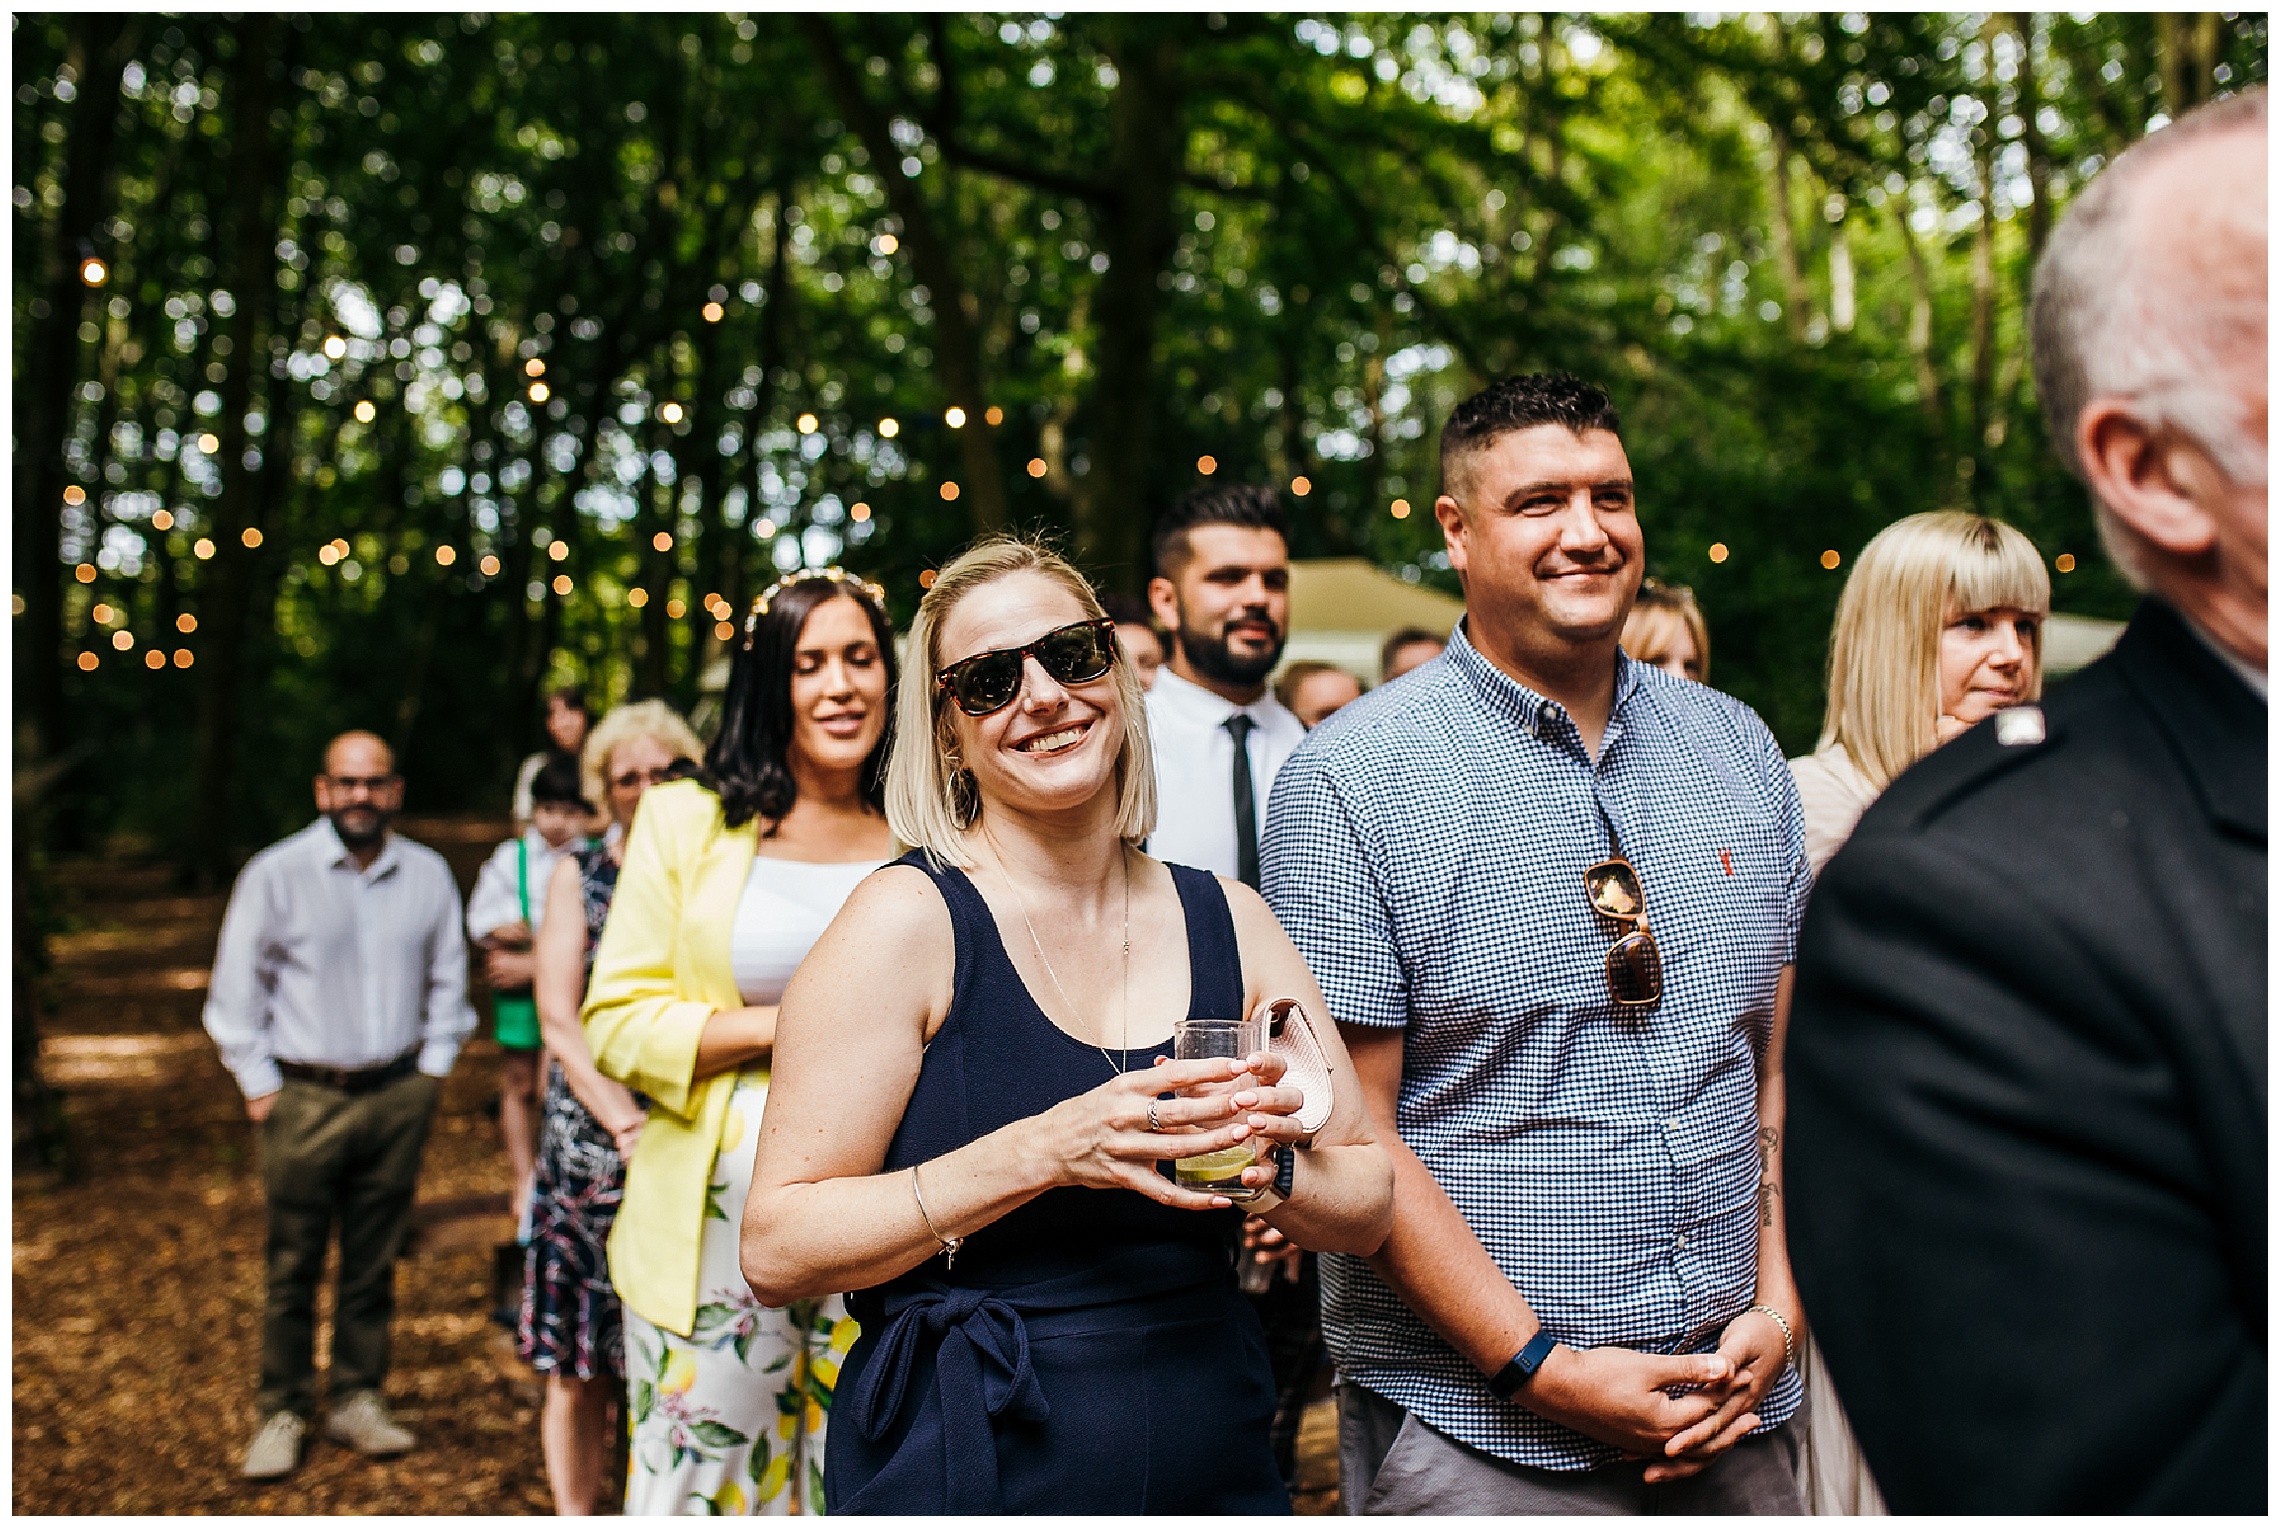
1727	860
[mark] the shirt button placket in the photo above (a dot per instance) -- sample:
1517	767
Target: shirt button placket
368	910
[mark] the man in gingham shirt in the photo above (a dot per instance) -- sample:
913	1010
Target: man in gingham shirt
1587	1193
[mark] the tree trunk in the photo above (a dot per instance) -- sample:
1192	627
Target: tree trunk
43	390
1983	289
528	643
1920	323
698	457
1796	298
1147	151
248	269
768	359
656	572
2188	44
932	242
1841	290
2037	146
1377	465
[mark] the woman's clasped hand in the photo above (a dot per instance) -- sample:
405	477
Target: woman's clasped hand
1113	1136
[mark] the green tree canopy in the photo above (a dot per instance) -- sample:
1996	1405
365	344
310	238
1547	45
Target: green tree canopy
381	370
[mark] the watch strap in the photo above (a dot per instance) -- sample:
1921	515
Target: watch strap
1271	1195
1522	1366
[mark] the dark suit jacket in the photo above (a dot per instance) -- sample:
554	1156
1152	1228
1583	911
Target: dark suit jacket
2026	1069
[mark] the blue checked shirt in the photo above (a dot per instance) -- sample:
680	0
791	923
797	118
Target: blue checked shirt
1425	848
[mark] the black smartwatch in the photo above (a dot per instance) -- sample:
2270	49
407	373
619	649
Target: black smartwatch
1521	1368
1273	1194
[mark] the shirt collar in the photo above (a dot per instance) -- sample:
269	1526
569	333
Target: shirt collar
1508	695
336	853
1206	706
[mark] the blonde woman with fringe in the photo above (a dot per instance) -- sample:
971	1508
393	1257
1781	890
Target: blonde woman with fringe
974	1090
1666	628
1939	628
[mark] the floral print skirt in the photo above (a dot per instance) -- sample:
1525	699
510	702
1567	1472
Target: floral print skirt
729	1420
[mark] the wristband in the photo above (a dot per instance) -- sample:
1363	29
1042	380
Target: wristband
1522	1367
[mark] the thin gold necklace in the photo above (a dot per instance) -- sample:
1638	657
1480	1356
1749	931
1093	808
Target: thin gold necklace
1124	1007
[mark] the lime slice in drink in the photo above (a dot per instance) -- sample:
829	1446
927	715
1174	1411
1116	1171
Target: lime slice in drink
1214	1167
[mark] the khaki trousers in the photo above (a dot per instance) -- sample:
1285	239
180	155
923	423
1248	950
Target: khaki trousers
327	1157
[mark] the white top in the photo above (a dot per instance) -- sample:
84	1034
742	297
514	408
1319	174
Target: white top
328	965
786	906
1834	793
495	902
1195	769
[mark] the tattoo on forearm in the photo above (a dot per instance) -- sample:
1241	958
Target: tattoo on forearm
1769	1186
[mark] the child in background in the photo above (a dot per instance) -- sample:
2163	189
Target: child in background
508	901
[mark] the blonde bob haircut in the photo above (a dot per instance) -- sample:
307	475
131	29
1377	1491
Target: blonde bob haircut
1884	656
1657	616
921	809
643	718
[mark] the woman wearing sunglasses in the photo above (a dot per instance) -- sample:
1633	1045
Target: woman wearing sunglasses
973	1094
727	882
571	1329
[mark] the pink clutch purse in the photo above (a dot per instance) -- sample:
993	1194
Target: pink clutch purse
1290	1035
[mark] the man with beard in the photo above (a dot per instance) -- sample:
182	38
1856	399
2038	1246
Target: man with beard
1222	589
339	1002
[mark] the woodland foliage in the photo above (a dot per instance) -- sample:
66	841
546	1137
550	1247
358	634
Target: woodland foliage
382	369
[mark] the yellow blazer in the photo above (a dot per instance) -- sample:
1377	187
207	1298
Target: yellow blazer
662	969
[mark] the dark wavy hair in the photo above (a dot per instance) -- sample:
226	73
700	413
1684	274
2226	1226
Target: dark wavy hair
749	763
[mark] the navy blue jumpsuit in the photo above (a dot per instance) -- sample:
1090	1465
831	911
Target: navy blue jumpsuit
1090	1353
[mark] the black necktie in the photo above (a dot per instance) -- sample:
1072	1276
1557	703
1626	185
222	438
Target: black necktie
1246	805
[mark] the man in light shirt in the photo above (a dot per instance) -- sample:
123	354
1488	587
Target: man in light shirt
1222	589
339	1002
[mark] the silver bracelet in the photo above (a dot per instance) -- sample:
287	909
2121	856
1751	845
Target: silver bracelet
1788	1338
951	1244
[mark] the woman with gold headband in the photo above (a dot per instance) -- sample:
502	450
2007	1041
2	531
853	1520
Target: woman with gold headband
728	880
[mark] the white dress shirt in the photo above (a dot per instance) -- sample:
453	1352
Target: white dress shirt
497	900
1195	769
326	965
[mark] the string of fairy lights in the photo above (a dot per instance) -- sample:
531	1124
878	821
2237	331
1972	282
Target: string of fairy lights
121	641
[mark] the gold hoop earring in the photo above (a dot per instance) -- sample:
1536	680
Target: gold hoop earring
965	799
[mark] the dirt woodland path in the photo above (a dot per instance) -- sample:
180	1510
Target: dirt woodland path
137	1291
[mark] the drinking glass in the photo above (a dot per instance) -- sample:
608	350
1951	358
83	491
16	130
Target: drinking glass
1217	1172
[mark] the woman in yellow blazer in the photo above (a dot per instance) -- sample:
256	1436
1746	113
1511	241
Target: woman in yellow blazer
727	882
